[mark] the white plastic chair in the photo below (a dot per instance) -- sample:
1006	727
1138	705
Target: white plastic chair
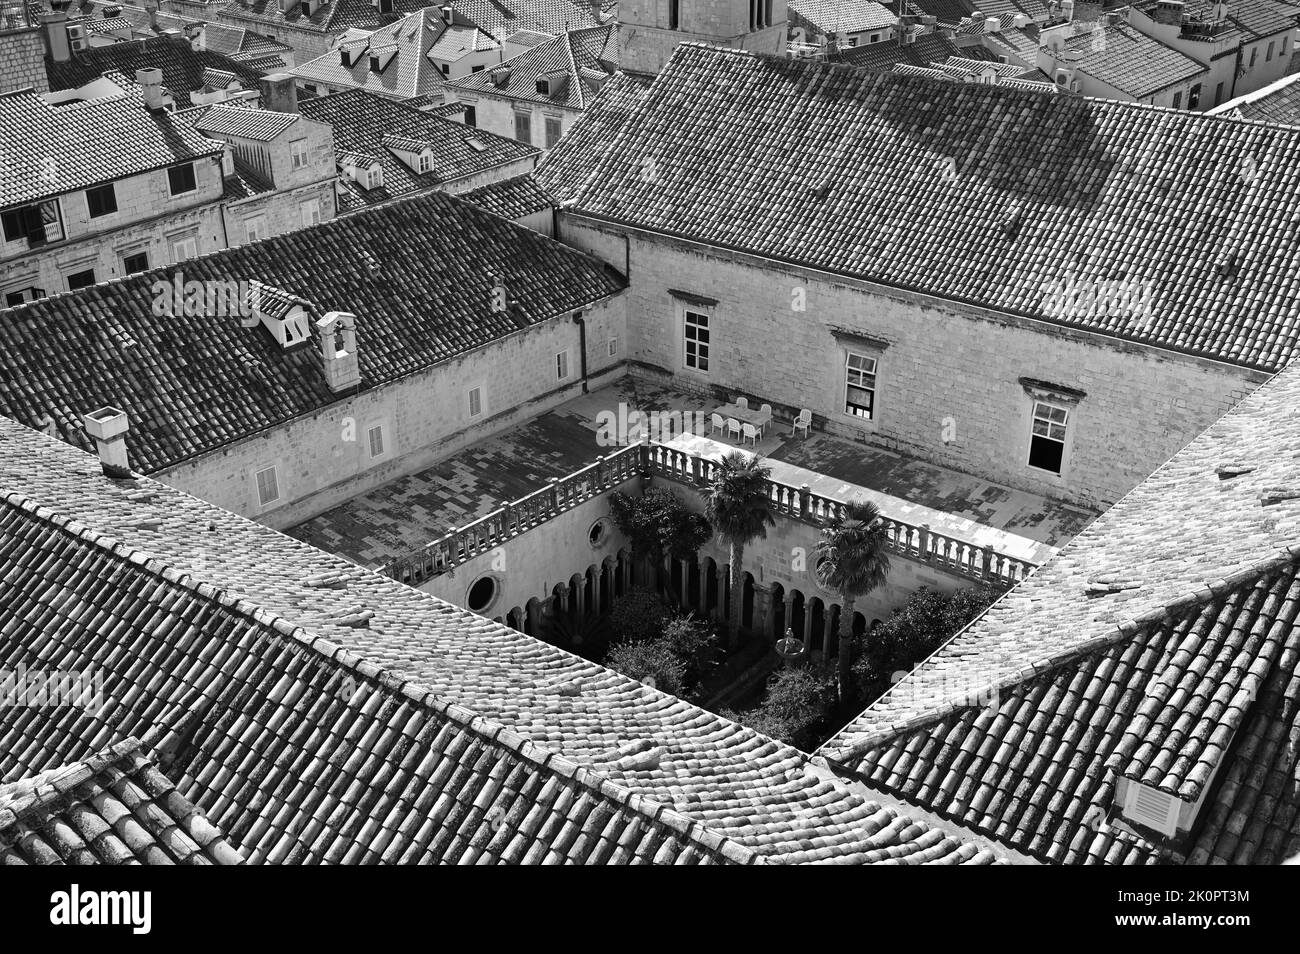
766	411
751	433
733	427
742	403
803	422
718	423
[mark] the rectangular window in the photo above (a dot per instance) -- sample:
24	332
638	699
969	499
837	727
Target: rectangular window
138	262
613	347
1268	54
298	153
81	279
376	435
524	127
268	486
423	163
1178	100
1253	54
1284	39
255	228
36	224
1047	439
695	340
552	131
101	201
181	179
185	248
1194	97
471	116
562	365
310	213
1218	94
860	386
476	69
475	402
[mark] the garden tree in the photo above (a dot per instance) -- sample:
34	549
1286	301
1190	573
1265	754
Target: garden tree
652	662
659	525
851	560
927	621
737	504
795	709
639	614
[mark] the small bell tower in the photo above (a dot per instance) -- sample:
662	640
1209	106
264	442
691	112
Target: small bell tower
652	28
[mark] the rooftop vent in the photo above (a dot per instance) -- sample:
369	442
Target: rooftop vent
1228	471
1110	584
1152	808
1275	495
500	76
108	427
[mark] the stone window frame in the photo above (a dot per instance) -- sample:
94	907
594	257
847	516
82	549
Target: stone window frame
1059	396
850	342
690	303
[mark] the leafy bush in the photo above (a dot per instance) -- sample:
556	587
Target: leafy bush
652	662
695	645
796	706
922	625
639	615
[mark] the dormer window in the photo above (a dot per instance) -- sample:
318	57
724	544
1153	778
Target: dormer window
380	58
284	315
543	86
374	177
423	162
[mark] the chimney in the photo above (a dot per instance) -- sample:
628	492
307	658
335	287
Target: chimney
596	11
1067	10
151	8
338	346
1021	21
279	93
56	36
108	427
150	81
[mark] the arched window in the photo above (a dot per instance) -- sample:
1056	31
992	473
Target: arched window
753	14
674	12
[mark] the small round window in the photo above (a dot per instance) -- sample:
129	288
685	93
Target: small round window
596	535
481	594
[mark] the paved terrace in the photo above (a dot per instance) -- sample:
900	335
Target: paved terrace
403	515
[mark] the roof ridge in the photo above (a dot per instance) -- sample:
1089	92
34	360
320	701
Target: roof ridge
491	731
56	783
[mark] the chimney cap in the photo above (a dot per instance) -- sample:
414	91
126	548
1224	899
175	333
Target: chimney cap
148	76
106	423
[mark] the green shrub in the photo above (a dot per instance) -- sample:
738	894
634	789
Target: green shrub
795	708
652	662
639	615
913	632
694	643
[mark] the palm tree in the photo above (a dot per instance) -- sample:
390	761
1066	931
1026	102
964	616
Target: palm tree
737	505
851	560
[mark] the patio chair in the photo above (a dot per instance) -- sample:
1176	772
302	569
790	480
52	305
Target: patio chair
751	433
718	423
803	422
733	427
742	403
766	411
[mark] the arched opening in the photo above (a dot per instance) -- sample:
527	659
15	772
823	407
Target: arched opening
710	585
859	624
674	14
515	619
817	632
797	620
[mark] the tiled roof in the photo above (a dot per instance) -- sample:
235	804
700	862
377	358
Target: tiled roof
572	54
47	151
192	383
111	807
948	12
1248	20
330	17
743	144
569	163
844	16
1184	656
362	121
259	125
183	68
450	738
1013	41
925	48
409	73
1129	60
244	183
456	41
510	198
1276	103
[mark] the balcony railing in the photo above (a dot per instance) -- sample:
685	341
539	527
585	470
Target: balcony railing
919	544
